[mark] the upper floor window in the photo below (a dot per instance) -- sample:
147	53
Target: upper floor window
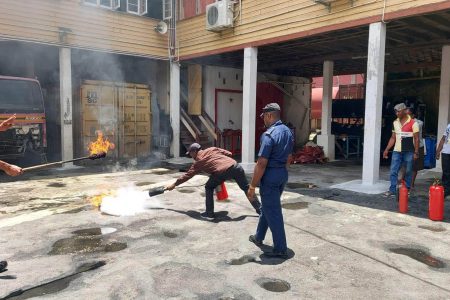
111	4
191	8
138	7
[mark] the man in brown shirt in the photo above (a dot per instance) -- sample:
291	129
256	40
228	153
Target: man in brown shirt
222	167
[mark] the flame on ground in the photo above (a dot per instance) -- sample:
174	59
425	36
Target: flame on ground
102	144
97	199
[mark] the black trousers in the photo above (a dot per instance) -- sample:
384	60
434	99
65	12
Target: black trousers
446	172
235	172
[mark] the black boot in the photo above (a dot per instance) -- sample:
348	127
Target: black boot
3	266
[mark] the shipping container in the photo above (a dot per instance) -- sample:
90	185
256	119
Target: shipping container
122	111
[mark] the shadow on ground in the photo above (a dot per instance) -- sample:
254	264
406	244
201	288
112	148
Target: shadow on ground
417	204
221	216
267	260
263	258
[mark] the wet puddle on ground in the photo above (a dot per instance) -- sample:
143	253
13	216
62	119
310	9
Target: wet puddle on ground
162	172
395	223
242	261
77	210
54	286
274	285
56	184
170	234
419	255
94	231
295	205
433	228
300	185
90	240
186	191
48	205
144	183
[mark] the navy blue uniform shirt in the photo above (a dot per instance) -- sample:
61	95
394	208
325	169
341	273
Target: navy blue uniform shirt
277	144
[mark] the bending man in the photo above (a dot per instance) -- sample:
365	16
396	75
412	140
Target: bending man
222	167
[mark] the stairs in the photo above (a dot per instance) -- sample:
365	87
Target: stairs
191	131
187	139
196	129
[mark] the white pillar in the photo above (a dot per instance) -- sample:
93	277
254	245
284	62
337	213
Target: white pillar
374	103
249	108
444	98
326	139
444	94
65	92
175	108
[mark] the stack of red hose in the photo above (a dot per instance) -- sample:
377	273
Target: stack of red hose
309	155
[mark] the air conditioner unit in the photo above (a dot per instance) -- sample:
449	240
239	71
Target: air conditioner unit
219	15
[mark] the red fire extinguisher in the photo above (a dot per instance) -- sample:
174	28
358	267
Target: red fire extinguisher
221	192
403	198
436	202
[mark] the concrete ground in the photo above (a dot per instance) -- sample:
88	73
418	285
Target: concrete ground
343	245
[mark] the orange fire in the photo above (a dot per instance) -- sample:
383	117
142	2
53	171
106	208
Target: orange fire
97	199
102	144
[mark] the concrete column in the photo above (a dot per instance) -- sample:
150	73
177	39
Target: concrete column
374	103
444	94
444	99
326	139
65	91
175	108
249	108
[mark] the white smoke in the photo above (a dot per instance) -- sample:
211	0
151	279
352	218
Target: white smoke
128	201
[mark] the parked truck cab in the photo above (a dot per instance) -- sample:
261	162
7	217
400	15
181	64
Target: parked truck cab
23	97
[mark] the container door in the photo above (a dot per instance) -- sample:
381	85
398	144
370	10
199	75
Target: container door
99	112
135	122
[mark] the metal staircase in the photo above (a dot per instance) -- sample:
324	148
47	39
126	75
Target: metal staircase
197	128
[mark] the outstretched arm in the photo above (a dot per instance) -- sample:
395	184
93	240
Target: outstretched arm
11	170
193	170
5	125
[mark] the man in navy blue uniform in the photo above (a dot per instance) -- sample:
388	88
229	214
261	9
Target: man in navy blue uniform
274	156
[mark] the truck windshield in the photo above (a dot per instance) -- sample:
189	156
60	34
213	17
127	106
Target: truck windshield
20	96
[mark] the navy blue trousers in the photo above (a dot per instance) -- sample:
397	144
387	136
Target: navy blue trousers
271	188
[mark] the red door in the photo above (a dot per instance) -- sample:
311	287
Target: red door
265	93
189	8
203	4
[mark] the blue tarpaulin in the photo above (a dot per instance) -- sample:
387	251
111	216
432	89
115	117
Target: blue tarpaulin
430	157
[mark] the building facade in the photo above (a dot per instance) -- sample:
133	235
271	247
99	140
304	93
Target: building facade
265	51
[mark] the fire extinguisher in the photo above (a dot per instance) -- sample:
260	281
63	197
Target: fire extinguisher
221	192
403	198
436	202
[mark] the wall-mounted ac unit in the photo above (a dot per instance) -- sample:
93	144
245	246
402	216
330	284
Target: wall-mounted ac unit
219	15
